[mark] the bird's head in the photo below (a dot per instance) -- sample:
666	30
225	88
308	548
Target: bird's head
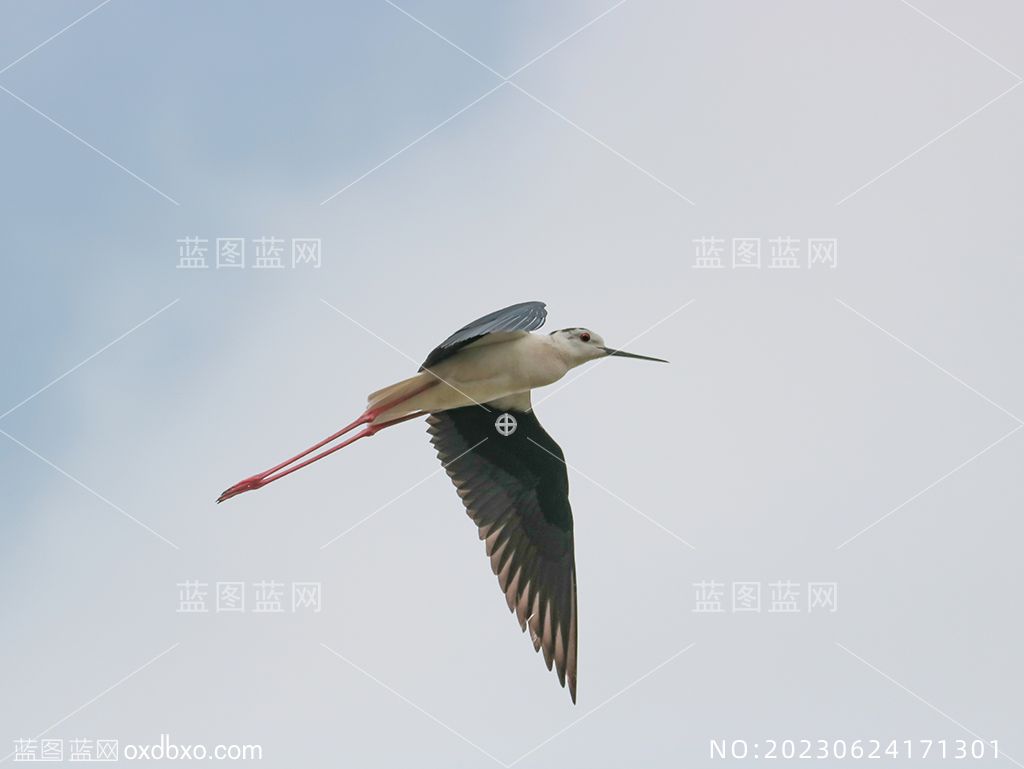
581	345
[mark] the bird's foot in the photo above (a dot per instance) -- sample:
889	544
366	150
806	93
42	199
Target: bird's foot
250	483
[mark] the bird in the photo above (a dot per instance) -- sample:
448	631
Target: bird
475	391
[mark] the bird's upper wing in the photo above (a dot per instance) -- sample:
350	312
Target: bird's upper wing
516	490
525	316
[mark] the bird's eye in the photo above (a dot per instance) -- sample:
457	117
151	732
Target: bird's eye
584	337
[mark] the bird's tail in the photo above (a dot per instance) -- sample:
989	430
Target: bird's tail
399	391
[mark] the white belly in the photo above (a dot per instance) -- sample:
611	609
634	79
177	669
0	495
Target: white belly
484	373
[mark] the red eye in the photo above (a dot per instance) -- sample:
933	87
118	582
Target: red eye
584	337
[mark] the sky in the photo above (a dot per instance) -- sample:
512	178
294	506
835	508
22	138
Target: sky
809	208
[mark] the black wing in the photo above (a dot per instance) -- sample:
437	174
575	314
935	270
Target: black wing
516	490
525	316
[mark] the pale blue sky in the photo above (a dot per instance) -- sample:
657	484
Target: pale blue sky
786	424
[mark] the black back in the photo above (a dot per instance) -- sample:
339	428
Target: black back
525	316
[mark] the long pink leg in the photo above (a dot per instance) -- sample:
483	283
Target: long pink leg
366	418
364	433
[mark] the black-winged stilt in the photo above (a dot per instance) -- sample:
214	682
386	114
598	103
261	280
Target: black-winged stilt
474	388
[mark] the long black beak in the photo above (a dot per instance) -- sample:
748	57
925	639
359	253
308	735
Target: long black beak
624	354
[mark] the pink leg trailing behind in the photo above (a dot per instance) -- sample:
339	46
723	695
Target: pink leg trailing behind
366	418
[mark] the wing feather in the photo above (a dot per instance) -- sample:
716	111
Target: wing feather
522	317
515	489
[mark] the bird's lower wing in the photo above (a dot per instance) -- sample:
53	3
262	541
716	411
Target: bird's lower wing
516	489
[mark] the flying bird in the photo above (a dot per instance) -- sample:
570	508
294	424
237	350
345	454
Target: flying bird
474	389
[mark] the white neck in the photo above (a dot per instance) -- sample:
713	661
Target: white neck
573	354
